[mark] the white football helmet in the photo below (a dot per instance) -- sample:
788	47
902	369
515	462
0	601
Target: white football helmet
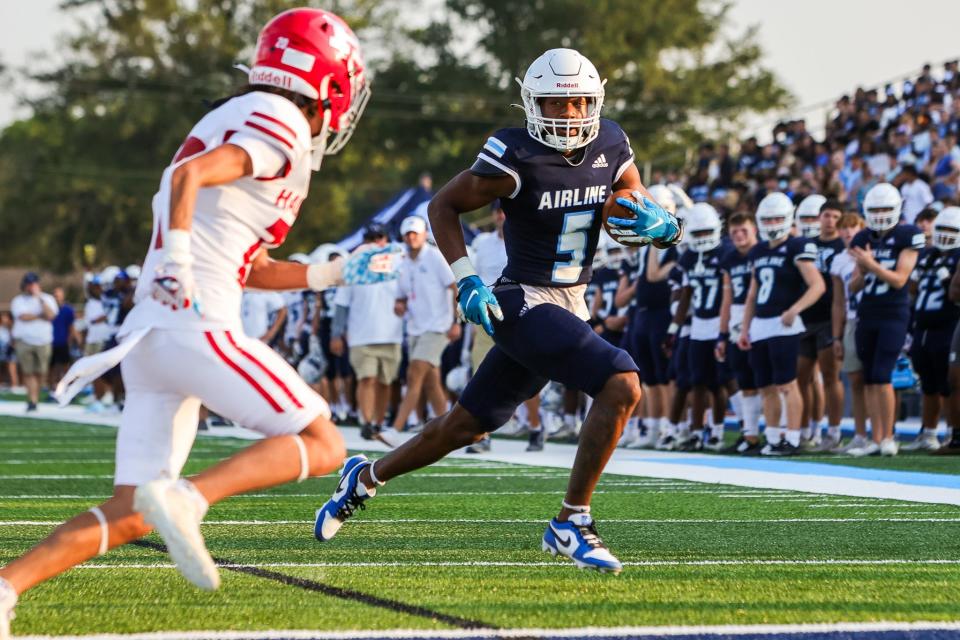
664	197
774	216
702	224
134	271
457	378
108	275
881	207
946	229
808	215
326	252
566	73
302	258
680	196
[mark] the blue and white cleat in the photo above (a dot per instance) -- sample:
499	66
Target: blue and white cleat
349	496
578	540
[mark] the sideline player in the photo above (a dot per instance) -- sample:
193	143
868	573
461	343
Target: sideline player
785	281
233	190
817	220
553	178
886	253
934	321
736	268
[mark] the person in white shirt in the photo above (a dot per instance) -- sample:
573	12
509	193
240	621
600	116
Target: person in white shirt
257	309
232	191
363	320
98	333
426	299
916	193
33	312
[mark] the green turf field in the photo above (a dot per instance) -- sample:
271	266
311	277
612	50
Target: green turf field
459	544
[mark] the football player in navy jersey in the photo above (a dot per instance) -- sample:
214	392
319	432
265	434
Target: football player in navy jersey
675	434
553	178
785	281
737	270
702	292
886	253
649	320
934	321
817	220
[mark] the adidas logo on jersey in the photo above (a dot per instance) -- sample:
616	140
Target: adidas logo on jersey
600	162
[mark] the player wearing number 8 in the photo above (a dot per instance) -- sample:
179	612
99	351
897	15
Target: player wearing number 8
553	177
886	253
785	281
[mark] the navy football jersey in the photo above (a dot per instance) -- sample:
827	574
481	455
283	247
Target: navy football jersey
604	284
932	308
737	266
555	213
701	272
878	300
779	282
653	295
820	310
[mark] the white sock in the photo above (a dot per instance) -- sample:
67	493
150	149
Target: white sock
683	429
752	408
569	420
672	429
717	431
793	437
773	434
736	401
834	432
633	424
806	432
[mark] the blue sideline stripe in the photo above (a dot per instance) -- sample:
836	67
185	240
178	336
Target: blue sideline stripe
813	468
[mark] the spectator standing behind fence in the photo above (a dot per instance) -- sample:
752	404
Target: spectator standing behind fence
64	336
362	319
33	312
426	294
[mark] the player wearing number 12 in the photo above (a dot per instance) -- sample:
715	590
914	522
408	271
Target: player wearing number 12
553	178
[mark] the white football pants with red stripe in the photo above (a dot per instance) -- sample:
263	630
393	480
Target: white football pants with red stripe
169	374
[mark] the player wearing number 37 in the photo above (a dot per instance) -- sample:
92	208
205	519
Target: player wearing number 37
232	191
553	178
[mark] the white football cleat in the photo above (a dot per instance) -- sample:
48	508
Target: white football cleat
175	509
870	448
8	600
926	440
889	447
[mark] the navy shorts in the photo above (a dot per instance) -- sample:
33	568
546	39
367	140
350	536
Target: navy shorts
680	365
337	366
930	354
878	346
774	360
532	347
704	369
648	332
739	364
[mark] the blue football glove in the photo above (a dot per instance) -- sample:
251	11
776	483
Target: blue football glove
370	264
652	224
476	303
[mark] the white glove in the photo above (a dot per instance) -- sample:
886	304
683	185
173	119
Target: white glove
173	286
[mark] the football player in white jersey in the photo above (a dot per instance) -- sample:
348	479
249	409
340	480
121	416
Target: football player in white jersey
232	191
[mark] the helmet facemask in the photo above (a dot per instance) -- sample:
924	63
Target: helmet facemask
946	238
558	132
809	226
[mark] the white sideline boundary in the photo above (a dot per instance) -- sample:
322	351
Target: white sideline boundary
650	464
584	632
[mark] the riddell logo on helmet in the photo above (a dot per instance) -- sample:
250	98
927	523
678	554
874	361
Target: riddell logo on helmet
567	85
263	76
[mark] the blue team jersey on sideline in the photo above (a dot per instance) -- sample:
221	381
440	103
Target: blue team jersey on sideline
820	310
555	213
879	301
738	268
932	308
779	282
701	272
604	284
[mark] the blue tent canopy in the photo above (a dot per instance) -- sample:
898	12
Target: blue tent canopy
409	202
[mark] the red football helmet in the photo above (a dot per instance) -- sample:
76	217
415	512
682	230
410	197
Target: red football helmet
315	53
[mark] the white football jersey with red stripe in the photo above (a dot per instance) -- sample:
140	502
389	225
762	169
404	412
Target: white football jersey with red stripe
232	222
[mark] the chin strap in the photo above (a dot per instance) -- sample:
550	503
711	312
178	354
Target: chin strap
320	140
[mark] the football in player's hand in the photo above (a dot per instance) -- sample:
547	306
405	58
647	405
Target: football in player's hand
611	209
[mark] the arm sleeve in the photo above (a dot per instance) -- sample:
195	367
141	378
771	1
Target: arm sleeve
495	160
269	161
